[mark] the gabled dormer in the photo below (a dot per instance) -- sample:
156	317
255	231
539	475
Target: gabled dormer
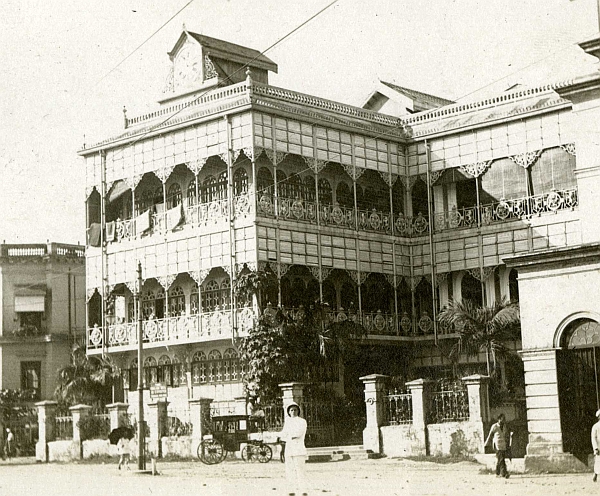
398	101
199	62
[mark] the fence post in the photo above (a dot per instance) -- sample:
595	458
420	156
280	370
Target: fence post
78	412
118	414
157	421
46	428
374	401
420	391
199	418
293	392
479	401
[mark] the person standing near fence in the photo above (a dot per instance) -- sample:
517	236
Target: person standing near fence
596	446
9	445
293	433
501	436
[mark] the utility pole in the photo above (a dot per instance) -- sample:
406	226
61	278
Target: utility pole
141	430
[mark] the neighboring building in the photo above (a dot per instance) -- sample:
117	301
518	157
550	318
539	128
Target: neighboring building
384	217
42	288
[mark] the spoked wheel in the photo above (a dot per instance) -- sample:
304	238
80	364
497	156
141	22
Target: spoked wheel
248	454
211	452
264	453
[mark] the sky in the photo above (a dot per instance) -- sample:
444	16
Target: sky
65	81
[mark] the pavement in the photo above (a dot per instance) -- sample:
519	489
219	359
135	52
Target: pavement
386	476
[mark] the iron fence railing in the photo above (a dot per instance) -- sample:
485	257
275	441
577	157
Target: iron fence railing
398	408
448	406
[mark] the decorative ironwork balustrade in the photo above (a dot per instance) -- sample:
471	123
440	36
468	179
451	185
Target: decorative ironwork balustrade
448	406
398	408
171	330
507	210
201	214
380	323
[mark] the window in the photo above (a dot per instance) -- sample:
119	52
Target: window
133	375
194	301
240	182
30	322
176	301
165	372
265	182
199	368
31	373
191	192
150	371
210	296
325	194
174	195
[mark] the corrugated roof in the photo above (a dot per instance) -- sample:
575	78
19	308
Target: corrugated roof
224	48
418	95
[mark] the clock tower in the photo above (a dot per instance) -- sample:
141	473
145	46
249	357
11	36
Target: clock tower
200	62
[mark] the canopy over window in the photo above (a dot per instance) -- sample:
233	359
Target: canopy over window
30	299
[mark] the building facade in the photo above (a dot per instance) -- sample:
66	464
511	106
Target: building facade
384	217
42	288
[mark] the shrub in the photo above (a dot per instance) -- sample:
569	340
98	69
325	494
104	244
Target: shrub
93	428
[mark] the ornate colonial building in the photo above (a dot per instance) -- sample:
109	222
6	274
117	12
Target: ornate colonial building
42	313
385	216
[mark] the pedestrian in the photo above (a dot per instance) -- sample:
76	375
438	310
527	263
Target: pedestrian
293	433
500	434
9	444
123	452
596	446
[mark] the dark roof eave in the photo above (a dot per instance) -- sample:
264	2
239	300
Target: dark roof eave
565	256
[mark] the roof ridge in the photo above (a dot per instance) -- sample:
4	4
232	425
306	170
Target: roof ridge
399	88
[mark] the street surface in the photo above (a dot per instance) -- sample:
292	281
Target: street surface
345	478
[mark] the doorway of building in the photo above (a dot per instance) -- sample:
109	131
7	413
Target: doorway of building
578	374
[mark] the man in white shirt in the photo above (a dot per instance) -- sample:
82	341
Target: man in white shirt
501	435
293	433
596	446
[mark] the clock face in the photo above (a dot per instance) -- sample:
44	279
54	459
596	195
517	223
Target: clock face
187	68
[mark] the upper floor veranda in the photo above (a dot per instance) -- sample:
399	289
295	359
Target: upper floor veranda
280	154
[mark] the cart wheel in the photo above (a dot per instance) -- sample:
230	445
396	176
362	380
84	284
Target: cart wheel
264	453
211	452
248	454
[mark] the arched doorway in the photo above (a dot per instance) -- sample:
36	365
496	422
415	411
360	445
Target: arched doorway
578	374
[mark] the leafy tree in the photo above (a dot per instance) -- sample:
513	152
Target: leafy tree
485	329
283	347
11	401
86	379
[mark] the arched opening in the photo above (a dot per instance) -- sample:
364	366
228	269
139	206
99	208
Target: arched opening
578	374
344	196
420	199
95	310
470	289
377	294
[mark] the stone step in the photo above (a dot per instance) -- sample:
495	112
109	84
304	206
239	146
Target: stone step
336	453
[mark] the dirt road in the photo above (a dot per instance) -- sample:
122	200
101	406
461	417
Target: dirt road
348	478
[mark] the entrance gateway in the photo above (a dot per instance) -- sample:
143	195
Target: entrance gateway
578	374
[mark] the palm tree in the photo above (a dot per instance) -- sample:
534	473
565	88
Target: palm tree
482	328
85	379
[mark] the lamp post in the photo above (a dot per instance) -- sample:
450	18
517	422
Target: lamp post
140	333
